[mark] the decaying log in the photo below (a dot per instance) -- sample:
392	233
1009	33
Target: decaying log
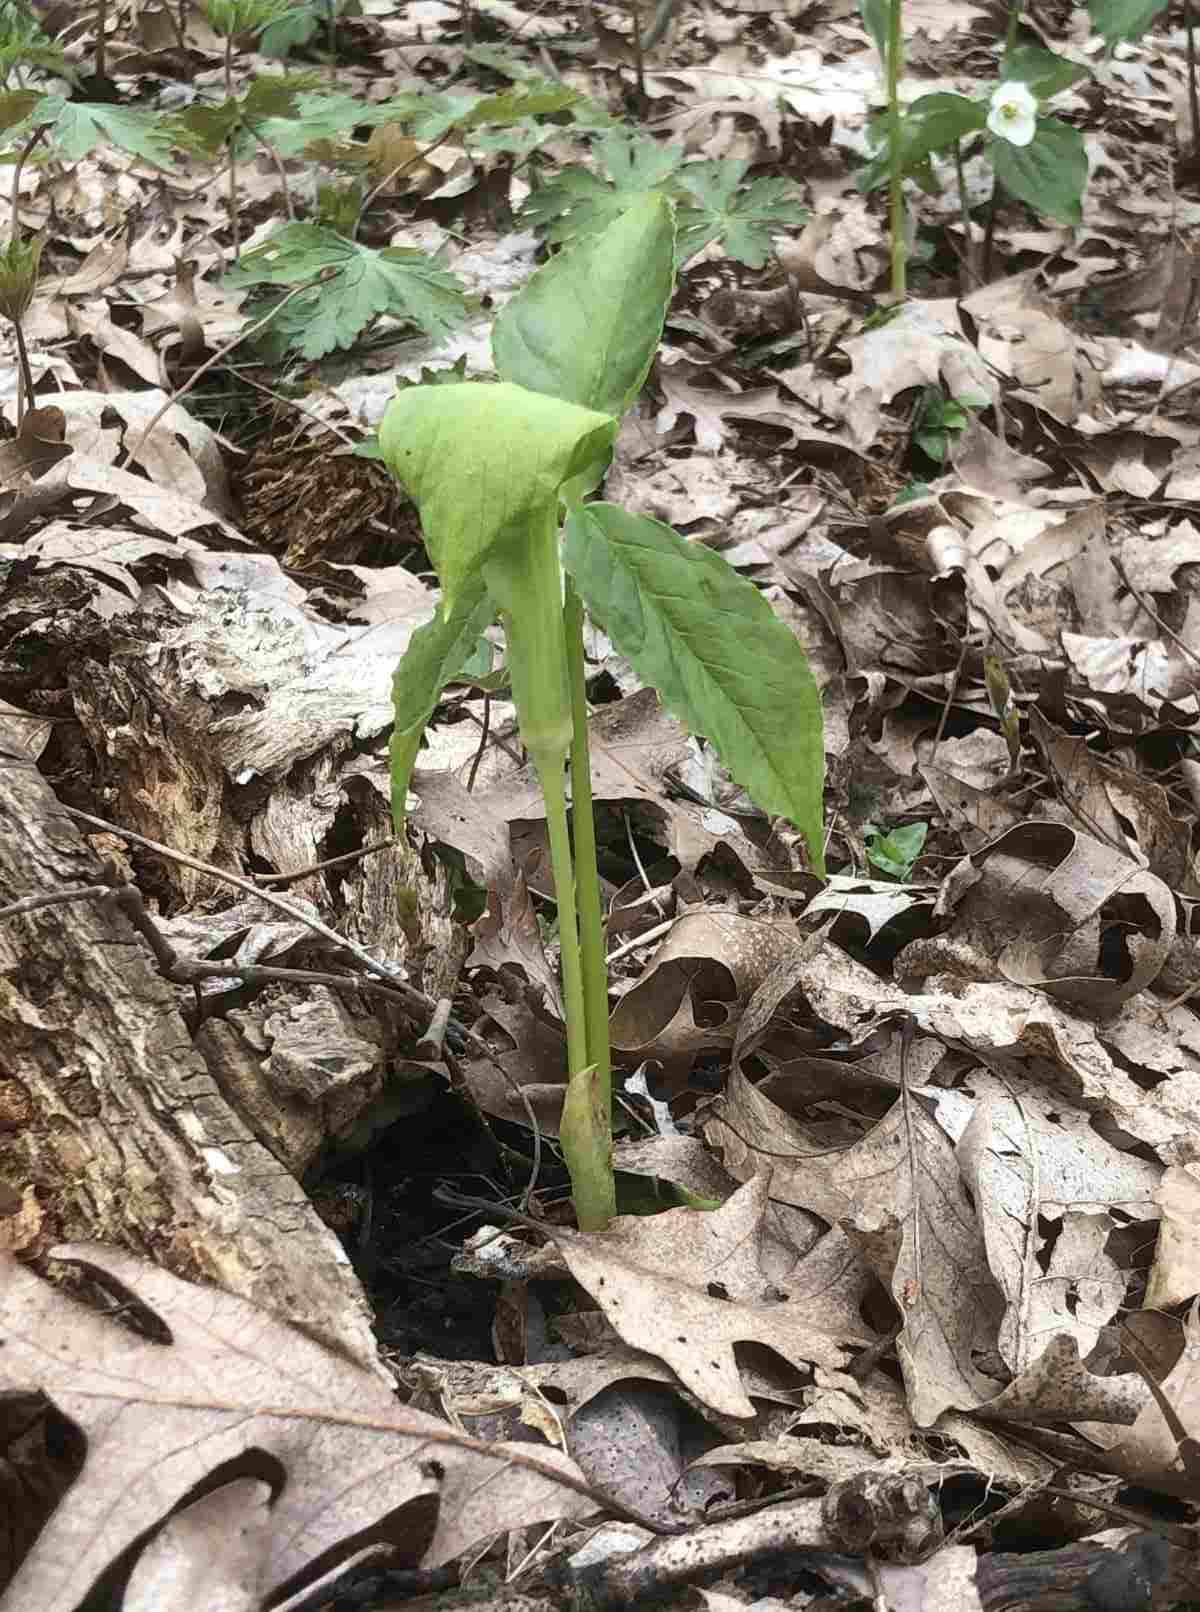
111	1126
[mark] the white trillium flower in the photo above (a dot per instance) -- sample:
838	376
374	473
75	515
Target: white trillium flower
1013	114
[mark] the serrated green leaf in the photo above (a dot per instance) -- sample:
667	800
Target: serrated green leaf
78	127
436	654
206	128
720	658
530	102
325	117
1115	20
1044	73
363	283
587	325
579	202
744	223
1050	173
230	17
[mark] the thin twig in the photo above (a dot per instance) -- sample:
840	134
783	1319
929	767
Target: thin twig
484	726
1119	568
329	862
221	352
417	999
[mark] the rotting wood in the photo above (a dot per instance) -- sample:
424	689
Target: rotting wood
111	1126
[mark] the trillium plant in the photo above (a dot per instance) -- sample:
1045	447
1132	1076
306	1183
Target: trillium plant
1012	115
503	473
1036	157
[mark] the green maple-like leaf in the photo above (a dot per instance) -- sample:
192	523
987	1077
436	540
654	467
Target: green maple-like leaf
579	202
361	284
76	128
318	117
744	223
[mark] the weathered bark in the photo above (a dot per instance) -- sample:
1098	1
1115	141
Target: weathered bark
111	1127
1140	1572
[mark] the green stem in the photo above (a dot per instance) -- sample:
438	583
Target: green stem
587	875
585	1133
525	580
1014	21
555	793
895	65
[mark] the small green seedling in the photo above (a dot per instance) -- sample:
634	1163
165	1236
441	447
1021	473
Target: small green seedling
500	472
896	852
941	421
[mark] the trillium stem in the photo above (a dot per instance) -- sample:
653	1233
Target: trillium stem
895	66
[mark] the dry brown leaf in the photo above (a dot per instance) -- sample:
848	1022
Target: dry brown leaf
691	993
1044	902
909	1217
1153	1452
160	1417
1175	1274
508	935
687	1285
1116	802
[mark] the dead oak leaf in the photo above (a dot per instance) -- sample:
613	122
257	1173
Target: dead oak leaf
161	1417
688	1285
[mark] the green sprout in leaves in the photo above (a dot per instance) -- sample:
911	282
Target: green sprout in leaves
895	853
941	420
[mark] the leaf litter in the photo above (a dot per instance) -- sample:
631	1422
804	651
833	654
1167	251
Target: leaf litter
912	1192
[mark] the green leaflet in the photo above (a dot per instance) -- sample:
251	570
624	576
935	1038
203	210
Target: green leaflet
714	649
436	653
587	325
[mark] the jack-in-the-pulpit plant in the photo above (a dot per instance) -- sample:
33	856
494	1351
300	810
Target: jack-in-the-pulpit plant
501	472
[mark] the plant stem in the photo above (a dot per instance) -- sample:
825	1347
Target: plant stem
101	55
234	220
587	877
972	278
895	65
1014	21
1189	24
639	55
586	1131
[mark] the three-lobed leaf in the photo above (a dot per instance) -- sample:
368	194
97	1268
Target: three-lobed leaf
579	202
715	650
76	128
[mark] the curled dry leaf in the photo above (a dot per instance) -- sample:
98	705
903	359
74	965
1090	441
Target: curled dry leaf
701	975
160	1417
1050	906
